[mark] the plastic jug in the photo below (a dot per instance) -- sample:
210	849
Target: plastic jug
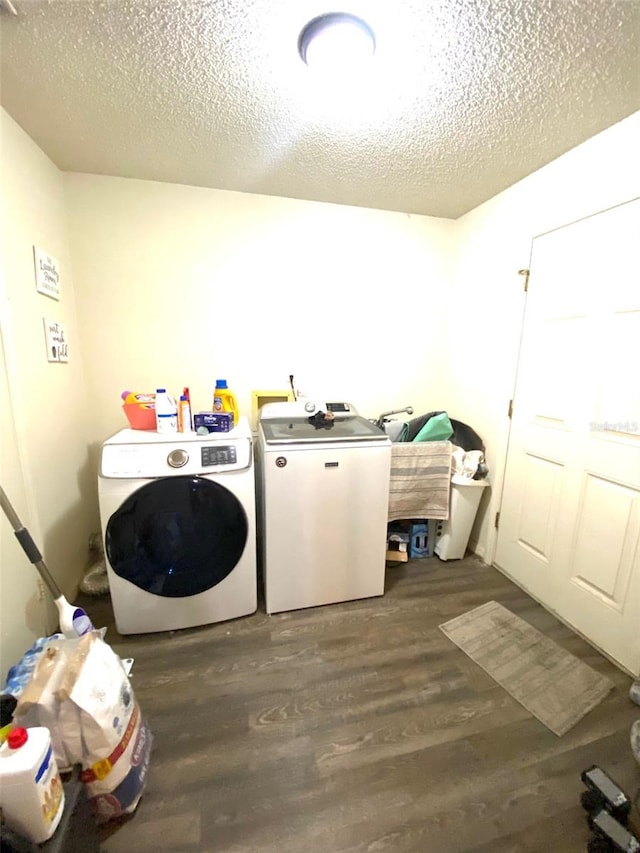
31	792
166	412
224	400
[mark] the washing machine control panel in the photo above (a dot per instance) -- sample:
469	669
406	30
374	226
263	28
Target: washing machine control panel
188	455
216	455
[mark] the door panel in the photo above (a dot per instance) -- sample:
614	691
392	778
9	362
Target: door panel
538	511
570	516
606	540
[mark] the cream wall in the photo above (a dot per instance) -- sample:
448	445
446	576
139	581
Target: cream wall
44	447
22	612
181	285
487	299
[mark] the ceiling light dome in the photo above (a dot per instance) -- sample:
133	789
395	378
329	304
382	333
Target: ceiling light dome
336	41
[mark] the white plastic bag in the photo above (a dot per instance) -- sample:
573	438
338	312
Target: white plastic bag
81	692
39	703
116	741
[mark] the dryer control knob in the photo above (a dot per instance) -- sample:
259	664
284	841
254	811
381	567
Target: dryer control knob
178	458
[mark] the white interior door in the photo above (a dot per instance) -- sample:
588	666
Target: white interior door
569	528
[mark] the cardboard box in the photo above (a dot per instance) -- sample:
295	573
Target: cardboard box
416	538
204	422
397	543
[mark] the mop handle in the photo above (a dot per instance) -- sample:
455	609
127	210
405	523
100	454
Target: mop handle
28	545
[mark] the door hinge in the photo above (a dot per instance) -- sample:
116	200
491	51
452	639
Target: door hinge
496	522
525	273
510	412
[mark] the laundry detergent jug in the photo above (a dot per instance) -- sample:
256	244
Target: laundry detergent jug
224	400
31	791
166	412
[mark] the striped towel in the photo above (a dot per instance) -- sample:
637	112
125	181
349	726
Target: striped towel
420	480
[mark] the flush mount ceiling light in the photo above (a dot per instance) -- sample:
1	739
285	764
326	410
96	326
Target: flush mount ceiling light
336	41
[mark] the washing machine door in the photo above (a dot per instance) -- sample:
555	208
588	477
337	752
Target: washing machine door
177	536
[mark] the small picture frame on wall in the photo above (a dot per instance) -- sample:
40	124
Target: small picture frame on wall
56	340
47	272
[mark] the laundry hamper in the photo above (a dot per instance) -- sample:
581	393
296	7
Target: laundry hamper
452	536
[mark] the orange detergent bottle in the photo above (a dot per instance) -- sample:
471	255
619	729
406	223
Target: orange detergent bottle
224	400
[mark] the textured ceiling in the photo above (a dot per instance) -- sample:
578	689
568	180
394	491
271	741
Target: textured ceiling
462	99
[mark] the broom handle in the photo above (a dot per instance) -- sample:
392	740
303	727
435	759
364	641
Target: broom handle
28	545
9	511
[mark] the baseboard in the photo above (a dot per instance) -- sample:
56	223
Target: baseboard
477	549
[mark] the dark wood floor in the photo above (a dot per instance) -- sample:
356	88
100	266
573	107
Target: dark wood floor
360	727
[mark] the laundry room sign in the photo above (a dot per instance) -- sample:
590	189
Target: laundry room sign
47	270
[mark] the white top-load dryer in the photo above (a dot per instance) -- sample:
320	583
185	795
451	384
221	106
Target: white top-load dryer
323	495
178	521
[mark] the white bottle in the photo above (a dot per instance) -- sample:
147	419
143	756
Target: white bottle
31	792
166	412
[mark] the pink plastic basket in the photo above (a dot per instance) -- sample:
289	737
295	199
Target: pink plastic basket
140	415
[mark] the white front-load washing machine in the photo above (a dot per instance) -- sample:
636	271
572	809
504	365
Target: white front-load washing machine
178	521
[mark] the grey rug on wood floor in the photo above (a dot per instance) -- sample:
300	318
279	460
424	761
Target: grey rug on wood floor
554	685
